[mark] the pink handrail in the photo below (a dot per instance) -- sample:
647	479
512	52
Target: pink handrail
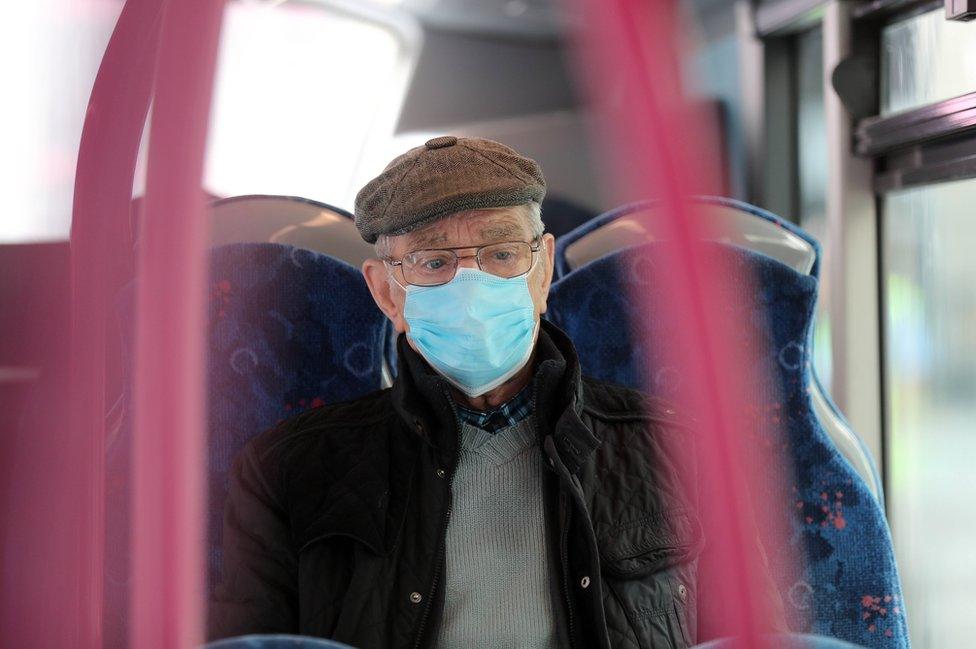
100	247
167	607
630	56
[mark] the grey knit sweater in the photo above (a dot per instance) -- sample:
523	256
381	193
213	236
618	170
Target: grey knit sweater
497	573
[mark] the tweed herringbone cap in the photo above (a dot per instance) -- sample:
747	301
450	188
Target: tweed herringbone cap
446	175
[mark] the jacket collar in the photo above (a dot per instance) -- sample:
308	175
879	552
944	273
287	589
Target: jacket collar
422	398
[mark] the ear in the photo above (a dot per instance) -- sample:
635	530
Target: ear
549	250
388	296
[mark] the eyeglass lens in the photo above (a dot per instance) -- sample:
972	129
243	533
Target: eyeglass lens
433	267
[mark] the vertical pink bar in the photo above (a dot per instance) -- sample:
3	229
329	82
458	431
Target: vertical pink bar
53	575
631	57
169	445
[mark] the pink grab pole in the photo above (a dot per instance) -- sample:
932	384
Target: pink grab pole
630	58
53	523
167	605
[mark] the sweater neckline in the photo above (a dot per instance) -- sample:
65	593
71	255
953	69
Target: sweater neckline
503	445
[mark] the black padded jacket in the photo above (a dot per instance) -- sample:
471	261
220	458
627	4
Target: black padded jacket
336	519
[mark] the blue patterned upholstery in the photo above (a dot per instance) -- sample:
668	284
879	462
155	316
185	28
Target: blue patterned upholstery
289	329
849	587
277	641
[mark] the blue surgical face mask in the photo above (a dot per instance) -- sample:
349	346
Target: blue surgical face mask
477	331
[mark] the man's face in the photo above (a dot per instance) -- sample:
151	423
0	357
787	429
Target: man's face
473	228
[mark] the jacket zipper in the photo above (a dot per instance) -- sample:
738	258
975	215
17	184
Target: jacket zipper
564	533
447	518
564	550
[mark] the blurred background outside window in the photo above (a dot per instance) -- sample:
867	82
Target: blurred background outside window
928	238
930	353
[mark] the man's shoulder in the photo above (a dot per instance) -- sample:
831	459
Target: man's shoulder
612	402
332	426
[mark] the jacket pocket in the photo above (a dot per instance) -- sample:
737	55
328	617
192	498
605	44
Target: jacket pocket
649	568
650	543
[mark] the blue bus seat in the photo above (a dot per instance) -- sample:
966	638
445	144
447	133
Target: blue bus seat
849	588
299	222
746	226
288	329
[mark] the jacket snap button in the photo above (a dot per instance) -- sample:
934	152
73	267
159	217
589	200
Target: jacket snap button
585	582
415	597
682	591
440	473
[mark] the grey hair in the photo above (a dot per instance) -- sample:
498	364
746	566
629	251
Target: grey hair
533	213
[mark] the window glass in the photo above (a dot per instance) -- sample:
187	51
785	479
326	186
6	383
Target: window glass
51	50
926	59
929	241
301	92
812	179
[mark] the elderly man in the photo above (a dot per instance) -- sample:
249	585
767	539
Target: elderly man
492	497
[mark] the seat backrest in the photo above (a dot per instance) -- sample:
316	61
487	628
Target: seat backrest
737	222
289	220
740	224
289	329
849	588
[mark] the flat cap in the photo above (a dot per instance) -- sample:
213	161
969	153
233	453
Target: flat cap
446	175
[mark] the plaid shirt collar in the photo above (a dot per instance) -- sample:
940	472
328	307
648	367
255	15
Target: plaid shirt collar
507	414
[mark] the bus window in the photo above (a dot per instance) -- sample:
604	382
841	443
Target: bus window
287	118
927	237
925	59
930	316
41	130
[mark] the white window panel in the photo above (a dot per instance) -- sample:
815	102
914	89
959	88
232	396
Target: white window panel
301	91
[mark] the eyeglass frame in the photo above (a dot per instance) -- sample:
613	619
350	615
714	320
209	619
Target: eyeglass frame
537	241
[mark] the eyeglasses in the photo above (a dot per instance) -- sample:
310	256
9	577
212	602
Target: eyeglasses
435	267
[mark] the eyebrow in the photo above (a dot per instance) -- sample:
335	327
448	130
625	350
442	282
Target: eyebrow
499	231
427	239
503	231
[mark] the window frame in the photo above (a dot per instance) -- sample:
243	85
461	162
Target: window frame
930	144
923	146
